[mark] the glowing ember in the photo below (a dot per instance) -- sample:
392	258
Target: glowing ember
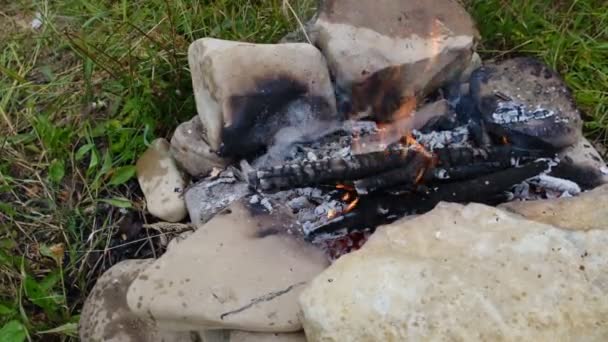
352	205
332	213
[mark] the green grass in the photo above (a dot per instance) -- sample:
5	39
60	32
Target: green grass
80	98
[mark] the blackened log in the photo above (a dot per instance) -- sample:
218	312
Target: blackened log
409	175
379	208
449	157
327	171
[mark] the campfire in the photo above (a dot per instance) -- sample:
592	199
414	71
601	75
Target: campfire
347	176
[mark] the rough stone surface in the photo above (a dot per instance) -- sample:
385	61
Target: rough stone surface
585	212
246	93
583	164
244	336
527	102
106	317
162	182
191	152
383	54
464	273
242	270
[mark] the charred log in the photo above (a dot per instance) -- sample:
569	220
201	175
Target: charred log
378	209
309	173
409	175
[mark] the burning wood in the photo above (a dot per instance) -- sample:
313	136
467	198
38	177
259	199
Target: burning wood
328	171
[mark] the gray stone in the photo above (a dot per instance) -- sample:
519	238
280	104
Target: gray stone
525	101
582	164
585	212
106	317
385	54
244	92
191	151
464	273
242	270
162	182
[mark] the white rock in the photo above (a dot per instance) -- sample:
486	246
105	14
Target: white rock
464	274
191	151
242	270
106	317
162	182
243	91
383	53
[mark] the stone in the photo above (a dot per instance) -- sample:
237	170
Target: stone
191	151
584	212
246	93
384	55
525	101
475	64
162	182
243	270
464	273
106	317
583	164
244	336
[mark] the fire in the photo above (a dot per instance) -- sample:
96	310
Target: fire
350	199
332	213
352	206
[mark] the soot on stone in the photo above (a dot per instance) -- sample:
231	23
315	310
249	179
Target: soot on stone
382	92
259	115
527	103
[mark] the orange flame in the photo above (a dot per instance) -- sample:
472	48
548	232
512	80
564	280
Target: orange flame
352	205
332	213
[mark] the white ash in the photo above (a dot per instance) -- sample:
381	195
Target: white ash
509	112
458	137
556	184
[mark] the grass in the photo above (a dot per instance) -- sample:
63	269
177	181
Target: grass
81	97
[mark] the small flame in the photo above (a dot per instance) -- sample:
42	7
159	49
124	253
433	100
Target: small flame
332	213
352	205
346	197
505	140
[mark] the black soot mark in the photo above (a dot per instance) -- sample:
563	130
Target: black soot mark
256	117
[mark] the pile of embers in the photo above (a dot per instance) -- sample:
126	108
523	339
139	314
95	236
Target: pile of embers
356	175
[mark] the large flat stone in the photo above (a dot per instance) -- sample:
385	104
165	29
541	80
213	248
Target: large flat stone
385	53
462	273
246	93
242	270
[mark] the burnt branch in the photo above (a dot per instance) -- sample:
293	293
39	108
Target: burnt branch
328	171
380	208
